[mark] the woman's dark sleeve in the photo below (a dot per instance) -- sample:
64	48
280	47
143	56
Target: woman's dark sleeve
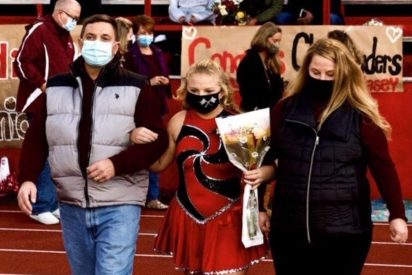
383	168
270	157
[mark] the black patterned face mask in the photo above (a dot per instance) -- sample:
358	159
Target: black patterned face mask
203	103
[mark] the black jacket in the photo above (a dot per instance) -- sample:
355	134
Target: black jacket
321	178
258	88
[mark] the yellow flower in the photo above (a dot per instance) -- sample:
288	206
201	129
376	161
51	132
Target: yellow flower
240	15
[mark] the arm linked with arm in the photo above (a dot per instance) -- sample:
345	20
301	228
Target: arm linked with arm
141	156
173	129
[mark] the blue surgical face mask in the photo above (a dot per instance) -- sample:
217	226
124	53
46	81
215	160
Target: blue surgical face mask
97	53
145	40
70	24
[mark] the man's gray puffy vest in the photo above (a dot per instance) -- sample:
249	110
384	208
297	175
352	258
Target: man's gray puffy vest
113	120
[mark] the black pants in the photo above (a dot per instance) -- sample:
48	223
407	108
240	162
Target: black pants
341	254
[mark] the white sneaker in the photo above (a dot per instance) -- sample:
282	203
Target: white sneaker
56	213
45	218
156	204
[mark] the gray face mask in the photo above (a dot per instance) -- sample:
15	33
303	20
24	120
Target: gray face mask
272	49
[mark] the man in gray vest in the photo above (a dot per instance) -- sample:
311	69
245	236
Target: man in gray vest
83	129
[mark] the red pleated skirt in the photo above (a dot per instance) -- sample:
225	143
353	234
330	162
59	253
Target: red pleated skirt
214	247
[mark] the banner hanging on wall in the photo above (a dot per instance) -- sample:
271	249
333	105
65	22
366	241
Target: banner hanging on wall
380	45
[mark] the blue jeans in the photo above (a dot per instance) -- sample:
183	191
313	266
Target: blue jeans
154	187
100	240
46	192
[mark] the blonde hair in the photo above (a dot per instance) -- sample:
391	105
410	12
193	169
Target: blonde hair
211	68
124	25
260	43
349	83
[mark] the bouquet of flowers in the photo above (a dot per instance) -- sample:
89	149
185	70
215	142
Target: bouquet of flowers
8	182
229	13
246	138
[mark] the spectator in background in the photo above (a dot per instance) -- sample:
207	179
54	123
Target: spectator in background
346	40
46	50
258	73
308	12
191	11
125	31
146	59
326	134
261	11
83	128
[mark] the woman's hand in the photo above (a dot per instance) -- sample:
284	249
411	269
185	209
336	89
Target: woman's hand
257	176
399	230
142	135
264	222
159	80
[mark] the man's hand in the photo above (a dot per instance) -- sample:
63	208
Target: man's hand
101	170
27	196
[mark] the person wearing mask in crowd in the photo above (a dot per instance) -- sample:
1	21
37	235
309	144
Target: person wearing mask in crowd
258	73
309	12
207	207
146	59
346	40
125	30
261	11
46	50
191	11
326	133
83	127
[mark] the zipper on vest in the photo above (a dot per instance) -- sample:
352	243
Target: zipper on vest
309	178
312	157
86	188
86	180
